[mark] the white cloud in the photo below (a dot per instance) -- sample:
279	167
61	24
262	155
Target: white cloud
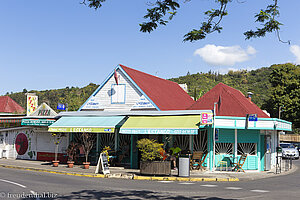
224	56
295	49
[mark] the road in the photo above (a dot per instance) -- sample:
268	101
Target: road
14	183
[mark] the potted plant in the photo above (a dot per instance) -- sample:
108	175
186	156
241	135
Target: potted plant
152	161
57	138
88	140
71	152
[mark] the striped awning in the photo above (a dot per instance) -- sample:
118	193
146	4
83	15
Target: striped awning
87	124
176	125
10	120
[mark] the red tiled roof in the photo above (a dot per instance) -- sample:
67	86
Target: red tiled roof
7	105
231	102
167	95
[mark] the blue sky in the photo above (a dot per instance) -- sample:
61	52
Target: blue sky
54	44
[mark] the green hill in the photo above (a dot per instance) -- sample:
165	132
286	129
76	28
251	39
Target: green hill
272	86
255	81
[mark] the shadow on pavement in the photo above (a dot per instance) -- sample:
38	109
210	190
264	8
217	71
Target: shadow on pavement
143	194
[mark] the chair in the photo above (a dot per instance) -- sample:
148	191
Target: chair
202	161
197	160
222	164
239	165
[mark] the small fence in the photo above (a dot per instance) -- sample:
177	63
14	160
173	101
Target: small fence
283	164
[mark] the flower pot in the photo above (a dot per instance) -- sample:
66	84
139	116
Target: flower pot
55	163
86	165
70	164
155	167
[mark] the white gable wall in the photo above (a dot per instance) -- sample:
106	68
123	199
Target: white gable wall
105	97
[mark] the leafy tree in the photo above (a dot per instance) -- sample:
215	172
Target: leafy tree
285	92
163	11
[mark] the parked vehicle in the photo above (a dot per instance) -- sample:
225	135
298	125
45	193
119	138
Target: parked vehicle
297	145
288	150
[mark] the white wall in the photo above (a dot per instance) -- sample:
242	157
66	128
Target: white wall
39	140
45	143
102	100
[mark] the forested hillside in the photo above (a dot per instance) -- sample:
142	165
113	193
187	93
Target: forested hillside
74	96
255	81
273	87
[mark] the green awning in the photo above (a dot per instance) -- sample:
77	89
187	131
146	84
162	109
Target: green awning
87	124
176	125
37	122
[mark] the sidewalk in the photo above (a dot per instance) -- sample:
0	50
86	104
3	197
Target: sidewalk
120	172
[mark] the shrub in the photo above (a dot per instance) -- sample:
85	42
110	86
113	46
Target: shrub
150	149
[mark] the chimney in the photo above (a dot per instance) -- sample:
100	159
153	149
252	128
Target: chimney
249	95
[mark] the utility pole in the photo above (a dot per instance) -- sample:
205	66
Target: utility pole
214	138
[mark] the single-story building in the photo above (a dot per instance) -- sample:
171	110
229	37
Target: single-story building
240	127
130	105
29	137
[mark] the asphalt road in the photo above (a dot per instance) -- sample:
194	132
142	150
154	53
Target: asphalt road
15	183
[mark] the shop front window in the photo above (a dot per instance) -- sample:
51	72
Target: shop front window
224	148
247	148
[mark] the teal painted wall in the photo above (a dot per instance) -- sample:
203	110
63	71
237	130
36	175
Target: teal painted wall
243	136
262	153
134	153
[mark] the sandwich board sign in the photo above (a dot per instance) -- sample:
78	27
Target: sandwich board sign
102	164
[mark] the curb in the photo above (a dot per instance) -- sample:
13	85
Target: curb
124	176
185	179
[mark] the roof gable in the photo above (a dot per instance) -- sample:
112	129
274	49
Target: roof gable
231	102
165	94
43	110
7	105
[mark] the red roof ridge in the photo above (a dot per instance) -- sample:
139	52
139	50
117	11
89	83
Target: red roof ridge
235	102
165	94
149	74
234	97
8	105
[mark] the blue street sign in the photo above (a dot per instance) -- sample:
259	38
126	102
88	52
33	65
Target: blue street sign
61	106
253	117
217	135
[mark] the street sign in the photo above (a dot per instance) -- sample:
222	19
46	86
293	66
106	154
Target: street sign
217	135
61	106
253	117
206	118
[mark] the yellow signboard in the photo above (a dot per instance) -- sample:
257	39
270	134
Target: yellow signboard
32	103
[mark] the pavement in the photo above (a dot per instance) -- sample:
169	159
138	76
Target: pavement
124	173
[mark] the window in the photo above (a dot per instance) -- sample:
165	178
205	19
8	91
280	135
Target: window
118	94
224	148
246	148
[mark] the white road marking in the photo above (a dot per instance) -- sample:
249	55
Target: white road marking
209	185
20	185
166	181
261	191
11	182
186	183
233	188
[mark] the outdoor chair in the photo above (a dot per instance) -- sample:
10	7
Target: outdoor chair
197	160
239	165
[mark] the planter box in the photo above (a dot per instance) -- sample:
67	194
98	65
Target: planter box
155	167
